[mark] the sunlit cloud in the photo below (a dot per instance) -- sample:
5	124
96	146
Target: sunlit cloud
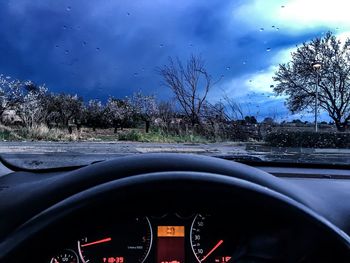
257	81
295	15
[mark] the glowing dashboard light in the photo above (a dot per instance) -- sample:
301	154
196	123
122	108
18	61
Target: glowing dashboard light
212	250
97	242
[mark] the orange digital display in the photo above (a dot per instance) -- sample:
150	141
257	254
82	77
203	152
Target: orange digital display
171	231
171	244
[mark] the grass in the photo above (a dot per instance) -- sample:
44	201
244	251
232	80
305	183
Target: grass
35	133
159	137
43	133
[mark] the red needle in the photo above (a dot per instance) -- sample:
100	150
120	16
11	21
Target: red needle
212	250
97	242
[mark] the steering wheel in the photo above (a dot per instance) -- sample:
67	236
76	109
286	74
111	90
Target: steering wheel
154	182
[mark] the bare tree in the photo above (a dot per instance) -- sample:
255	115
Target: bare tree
234	110
190	84
166	113
214	119
215	113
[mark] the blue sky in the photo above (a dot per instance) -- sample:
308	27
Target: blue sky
99	48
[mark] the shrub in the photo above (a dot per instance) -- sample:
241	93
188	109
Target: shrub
8	134
308	139
130	136
42	132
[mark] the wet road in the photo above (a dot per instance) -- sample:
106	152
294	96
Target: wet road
57	154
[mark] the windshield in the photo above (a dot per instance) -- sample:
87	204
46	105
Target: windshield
84	81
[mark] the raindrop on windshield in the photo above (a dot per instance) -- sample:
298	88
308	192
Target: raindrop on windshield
66	51
57	46
128	13
97	49
282	6
268	49
64	27
244	62
228	68
136	74
271	86
161	45
68	8
250	80
273	26
262	29
84	43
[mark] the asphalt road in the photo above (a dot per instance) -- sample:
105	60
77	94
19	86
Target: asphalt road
56	154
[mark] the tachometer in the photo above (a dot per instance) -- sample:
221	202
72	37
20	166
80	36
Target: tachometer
211	241
120	243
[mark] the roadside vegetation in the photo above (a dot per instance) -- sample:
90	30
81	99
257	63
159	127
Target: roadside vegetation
29	111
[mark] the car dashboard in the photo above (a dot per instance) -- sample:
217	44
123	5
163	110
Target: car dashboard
175	210
179	237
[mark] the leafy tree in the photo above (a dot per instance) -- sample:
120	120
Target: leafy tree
297	79
250	119
94	113
298	121
144	107
118	112
31	109
64	109
24	97
268	120
11	93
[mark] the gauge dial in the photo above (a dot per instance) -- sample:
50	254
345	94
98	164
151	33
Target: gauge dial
212	241
66	256
120	243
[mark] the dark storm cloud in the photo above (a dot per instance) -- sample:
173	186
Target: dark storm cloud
101	48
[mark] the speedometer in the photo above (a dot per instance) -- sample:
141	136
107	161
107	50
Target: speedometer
211	241
121	243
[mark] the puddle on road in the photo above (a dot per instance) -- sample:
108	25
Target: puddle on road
171	150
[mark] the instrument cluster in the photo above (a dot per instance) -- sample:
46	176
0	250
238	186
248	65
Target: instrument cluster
168	238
